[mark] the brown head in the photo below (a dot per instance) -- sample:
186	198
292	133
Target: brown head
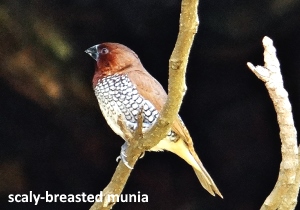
112	58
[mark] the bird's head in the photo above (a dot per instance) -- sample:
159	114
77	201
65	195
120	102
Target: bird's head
112	58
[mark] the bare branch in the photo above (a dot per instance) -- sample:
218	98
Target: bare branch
284	194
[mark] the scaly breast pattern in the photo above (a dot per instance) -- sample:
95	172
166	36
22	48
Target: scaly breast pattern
117	95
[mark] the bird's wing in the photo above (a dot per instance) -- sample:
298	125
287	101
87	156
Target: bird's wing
148	87
152	91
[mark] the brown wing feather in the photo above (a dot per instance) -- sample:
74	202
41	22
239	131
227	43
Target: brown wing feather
152	91
148	87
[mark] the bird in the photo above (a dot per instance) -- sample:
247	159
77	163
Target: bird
123	87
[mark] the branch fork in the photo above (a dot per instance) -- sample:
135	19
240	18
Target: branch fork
285	192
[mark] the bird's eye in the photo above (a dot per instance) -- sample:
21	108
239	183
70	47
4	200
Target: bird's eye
104	50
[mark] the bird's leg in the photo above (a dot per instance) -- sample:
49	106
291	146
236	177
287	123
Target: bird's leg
123	155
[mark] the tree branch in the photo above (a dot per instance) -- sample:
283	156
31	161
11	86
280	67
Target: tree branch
284	194
177	67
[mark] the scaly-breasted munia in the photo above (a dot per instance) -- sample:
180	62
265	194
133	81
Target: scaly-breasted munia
124	88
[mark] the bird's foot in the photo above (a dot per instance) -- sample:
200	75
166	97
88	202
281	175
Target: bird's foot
123	155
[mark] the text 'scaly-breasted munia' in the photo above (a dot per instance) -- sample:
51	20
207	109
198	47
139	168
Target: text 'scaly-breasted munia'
124	88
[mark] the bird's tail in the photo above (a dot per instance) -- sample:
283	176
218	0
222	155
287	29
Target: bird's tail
188	153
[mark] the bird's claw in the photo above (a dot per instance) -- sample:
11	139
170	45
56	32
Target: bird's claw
123	156
142	155
118	158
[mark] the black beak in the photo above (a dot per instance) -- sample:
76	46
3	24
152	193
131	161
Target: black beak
93	52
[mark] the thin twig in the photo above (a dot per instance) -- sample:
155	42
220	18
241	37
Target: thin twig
284	194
